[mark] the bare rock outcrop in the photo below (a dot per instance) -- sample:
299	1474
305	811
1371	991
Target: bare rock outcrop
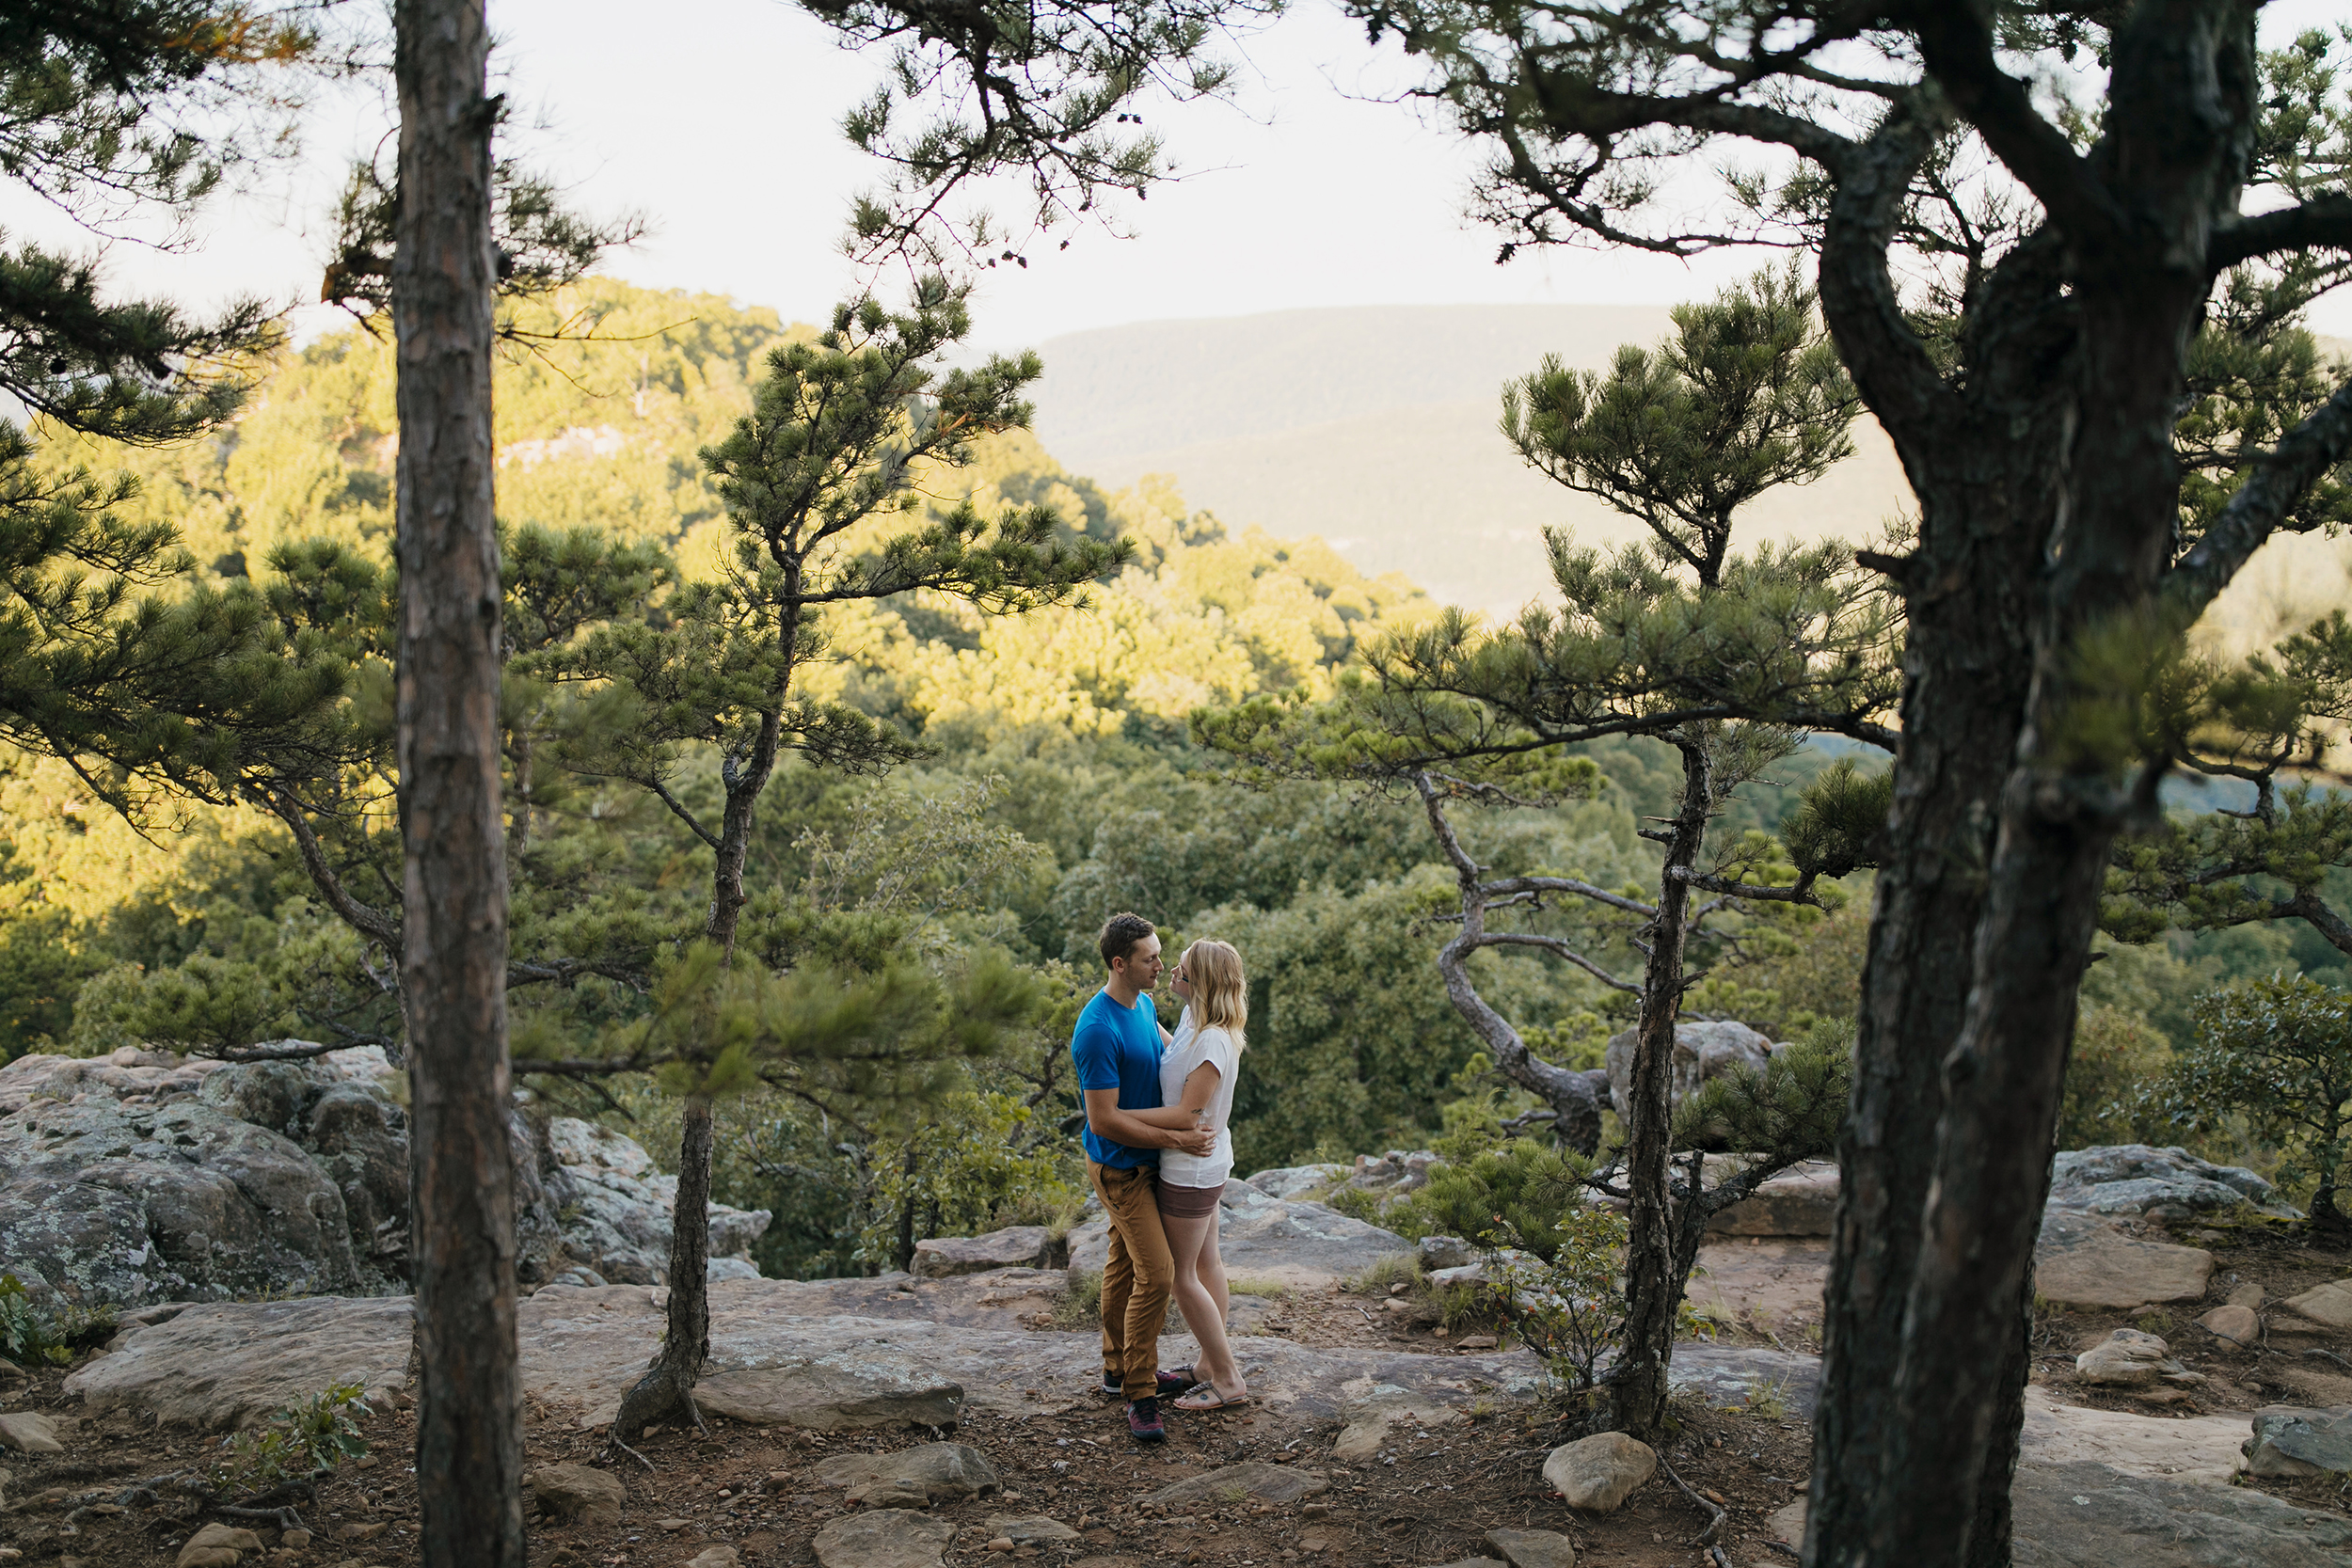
141	1177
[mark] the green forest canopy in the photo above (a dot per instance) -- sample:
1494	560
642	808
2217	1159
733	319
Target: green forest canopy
1065	727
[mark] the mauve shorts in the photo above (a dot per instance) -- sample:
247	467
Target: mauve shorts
1189	1203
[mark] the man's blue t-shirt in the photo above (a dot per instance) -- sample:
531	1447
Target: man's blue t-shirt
1119	1048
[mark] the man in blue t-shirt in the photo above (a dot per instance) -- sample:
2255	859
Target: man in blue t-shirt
1117	1048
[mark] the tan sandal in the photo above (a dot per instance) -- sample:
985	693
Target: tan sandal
1214	1402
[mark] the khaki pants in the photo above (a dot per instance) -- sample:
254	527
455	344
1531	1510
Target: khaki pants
1135	1278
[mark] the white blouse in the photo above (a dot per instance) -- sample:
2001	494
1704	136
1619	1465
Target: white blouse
1193	1045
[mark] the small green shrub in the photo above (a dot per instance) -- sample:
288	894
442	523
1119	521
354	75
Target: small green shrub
1080	1304
1463	1305
32	1335
1788	1111
1570	1308
296	1442
1525	1185
1357	1204
2117	1054
1272	1290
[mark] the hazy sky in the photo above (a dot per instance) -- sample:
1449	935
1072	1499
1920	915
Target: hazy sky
718	120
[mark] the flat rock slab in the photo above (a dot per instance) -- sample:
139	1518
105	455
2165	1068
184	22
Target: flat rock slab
227	1365
926	1473
830	1393
1270	1238
2087	1516
883	1538
1735	1377
1775	1282
2330	1303
1273	1483
2201	1448
2081	1260
1019	1246
221	1364
1534	1548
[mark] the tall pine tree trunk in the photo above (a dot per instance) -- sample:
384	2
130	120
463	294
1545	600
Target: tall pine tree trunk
1984	458
1964	692
2182	87
2060	811
1653	1285
454	888
666	1392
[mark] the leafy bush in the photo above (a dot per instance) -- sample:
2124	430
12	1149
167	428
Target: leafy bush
1571	1308
296	1442
979	1160
30	1334
2279	1054
2118	1056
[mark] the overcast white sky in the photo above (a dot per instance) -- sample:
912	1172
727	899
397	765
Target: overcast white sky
719	119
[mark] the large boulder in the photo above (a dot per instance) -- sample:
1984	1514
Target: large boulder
1702	1050
140	1177
2159	1184
2082	1261
1016	1247
618	1208
108	1202
2291	1442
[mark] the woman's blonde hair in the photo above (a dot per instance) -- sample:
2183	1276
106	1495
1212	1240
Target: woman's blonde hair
1220	996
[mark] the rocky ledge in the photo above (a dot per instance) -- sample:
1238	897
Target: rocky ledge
143	1178
2094	1487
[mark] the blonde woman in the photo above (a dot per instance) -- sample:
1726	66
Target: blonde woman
1197	1075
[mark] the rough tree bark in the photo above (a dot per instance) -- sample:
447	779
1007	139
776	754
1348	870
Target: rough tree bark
1983	459
2131	227
1653	1288
454	881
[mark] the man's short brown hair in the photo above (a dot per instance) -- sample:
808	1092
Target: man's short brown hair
1121	933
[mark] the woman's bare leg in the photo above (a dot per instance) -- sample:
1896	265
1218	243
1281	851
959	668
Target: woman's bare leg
1210	1268
1203	1310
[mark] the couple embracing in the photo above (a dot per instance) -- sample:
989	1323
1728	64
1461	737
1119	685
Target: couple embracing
1158	1151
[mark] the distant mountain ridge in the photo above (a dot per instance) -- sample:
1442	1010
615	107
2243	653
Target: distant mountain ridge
1375	427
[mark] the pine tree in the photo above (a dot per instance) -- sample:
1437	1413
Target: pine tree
100	105
2013	278
1721	657
839	434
